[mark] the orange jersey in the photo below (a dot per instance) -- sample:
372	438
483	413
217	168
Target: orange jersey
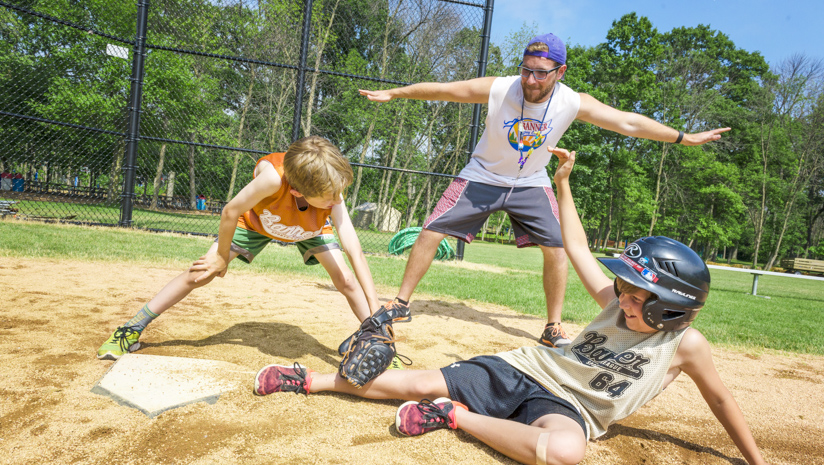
278	216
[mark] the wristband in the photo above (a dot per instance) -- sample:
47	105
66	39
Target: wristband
680	136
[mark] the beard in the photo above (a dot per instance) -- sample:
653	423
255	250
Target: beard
541	93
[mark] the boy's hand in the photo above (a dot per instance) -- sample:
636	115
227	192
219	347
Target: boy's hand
566	160
211	265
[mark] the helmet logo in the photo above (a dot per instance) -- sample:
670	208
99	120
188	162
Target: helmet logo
633	250
643	261
648	274
683	294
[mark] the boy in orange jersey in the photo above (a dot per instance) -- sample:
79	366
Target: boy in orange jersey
290	199
540	405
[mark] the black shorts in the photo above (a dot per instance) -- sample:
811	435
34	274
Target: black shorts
490	386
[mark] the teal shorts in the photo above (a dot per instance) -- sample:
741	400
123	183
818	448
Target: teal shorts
248	244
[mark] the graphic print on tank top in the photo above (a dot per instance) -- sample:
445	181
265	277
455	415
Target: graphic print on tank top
295	233
533	132
627	364
528	132
533	135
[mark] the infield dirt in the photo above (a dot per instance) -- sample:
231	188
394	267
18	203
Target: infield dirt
55	314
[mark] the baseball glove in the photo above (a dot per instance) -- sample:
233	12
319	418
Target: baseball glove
390	312
370	350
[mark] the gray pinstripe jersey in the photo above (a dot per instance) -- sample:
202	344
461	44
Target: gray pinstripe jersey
608	372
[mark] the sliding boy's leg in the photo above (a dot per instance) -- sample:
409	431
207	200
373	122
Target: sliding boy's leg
555	438
508	411
552	439
391	384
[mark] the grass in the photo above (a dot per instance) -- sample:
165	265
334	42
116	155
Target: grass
203	223
197	223
500	274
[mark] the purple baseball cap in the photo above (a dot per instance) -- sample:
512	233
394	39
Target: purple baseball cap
557	49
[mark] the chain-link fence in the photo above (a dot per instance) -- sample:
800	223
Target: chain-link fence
153	114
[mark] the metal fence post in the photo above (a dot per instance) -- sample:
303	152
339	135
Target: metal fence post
135	96
476	108
304	47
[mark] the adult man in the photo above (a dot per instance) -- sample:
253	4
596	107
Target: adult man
525	112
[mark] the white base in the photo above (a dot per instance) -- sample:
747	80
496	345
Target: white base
154	384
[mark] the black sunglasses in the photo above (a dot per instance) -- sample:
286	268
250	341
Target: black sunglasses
539	74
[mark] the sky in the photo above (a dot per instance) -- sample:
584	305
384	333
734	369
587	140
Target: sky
777	29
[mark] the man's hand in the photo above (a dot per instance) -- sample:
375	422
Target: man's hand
566	160
211	264
703	137
376	95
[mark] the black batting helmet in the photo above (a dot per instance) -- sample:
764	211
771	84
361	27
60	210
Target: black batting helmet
674	273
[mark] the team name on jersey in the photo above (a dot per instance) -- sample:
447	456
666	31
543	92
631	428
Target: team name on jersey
271	223
592	353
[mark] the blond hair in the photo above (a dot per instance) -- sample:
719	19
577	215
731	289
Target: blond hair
627	288
315	167
540	47
537	47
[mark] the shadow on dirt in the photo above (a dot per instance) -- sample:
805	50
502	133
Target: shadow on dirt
274	339
628	431
463	312
469	314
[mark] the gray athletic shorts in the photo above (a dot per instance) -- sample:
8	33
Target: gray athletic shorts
465	206
490	386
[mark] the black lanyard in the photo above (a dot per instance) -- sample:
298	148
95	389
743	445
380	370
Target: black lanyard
522	160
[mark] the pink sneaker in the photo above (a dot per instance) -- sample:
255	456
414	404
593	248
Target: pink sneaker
416	418
282	378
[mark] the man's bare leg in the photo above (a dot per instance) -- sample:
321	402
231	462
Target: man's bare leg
423	252
555	280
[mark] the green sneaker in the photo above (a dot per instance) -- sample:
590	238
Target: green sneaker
122	341
398	362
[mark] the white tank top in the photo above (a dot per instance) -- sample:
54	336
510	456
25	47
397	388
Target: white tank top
608	372
496	159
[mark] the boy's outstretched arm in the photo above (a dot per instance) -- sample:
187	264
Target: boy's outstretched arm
352	246
266	182
695	359
596	282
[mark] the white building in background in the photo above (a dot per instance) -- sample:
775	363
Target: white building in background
365	215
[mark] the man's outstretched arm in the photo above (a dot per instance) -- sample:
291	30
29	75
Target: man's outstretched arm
470	91
634	125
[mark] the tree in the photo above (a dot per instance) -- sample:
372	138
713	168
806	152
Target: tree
800	99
